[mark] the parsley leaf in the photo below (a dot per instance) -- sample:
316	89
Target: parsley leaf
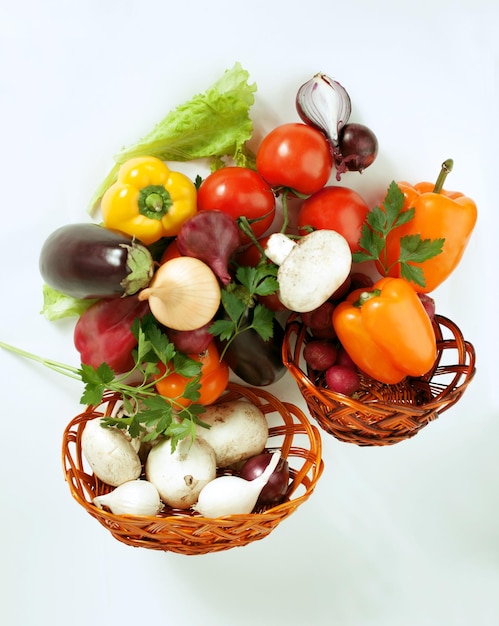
239	298
380	222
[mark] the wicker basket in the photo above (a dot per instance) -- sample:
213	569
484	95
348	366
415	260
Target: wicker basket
382	414
186	532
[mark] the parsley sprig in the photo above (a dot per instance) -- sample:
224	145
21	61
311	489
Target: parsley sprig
380	223
145	412
239	301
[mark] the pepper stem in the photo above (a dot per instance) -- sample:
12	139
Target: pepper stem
154	201
446	168
365	296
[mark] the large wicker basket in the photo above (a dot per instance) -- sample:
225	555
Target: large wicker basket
186	532
382	414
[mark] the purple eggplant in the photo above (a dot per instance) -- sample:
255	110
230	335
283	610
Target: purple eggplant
90	261
255	361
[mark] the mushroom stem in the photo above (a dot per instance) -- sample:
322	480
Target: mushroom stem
278	247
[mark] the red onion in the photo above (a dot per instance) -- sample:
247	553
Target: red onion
325	104
276	487
212	237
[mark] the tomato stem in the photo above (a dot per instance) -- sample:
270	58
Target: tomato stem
245	227
445	169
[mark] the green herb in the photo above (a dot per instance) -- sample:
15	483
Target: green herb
239	303
146	413
214	124
380	223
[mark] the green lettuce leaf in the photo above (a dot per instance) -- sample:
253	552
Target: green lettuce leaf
213	124
57	305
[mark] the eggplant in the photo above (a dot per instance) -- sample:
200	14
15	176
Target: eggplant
255	361
90	261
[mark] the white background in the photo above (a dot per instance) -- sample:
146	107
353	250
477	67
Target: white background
407	534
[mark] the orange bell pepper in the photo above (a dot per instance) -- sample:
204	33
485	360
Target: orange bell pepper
437	214
386	331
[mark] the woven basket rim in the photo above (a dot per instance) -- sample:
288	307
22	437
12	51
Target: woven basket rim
185	529
389	402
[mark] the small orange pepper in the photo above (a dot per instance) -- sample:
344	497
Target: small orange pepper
437	214
386	331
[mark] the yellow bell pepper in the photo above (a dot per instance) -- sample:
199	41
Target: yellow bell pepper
148	201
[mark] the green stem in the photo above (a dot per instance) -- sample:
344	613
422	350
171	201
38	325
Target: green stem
67	370
245	228
154	201
445	169
365	296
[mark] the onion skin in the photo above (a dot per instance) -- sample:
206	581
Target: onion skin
276	487
324	103
358	148
88	261
184	293
212	237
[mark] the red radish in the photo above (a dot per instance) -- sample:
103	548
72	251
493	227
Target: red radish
342	379
319	318
319	354
429	304
343	358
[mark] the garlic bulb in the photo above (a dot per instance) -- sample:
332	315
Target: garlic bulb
324	103
232	495
184	294
135	497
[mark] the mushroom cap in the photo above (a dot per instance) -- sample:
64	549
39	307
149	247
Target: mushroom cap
315	267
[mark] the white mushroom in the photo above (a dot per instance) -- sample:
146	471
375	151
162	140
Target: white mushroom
310	269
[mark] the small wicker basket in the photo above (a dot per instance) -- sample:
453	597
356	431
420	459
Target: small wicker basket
186	532
382	414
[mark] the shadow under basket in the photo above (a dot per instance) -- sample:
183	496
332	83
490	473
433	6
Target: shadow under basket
380	414
187	532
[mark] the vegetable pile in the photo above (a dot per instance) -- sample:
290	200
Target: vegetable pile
180	284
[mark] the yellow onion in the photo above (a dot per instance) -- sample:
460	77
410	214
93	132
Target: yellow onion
184	294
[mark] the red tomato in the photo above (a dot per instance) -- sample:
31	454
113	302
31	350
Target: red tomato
335	208
295	156
171	252
239	191
214	378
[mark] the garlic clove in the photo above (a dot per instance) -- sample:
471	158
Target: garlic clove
184	294
324	103
135	497
233	495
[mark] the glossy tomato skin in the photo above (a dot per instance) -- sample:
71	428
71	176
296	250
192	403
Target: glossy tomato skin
295	156
239	191
214	378
335	208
